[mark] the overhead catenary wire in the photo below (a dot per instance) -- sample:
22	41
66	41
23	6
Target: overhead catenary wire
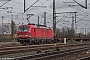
42	3
5	3
28	4
76	8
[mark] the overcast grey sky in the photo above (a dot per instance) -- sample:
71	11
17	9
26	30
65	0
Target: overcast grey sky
61	6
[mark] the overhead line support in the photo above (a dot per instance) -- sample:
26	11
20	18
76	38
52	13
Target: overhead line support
28	7
82	5
54	19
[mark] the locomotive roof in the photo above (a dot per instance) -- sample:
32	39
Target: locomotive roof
42	26
39	26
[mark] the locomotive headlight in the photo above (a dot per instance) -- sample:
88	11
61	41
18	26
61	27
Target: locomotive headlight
28	35
19	35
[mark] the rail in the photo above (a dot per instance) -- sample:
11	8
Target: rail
52	54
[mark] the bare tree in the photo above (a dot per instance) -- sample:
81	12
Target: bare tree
65	32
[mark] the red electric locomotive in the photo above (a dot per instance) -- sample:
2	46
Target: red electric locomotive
35	34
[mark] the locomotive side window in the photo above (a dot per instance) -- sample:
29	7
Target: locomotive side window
34	30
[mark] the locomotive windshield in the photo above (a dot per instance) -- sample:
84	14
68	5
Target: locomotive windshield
24	28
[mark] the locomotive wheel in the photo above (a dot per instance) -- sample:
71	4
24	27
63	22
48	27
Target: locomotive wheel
52	41
24	43
30	43
46	40
39	42
49	41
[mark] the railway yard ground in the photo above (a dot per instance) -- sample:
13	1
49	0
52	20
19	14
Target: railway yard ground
44	29
54	51
9	43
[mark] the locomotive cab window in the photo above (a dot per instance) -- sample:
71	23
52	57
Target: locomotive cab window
24	28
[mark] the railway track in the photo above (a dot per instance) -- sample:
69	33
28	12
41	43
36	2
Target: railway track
85	58
36	48
53	54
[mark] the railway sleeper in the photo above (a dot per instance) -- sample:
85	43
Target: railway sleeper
49	55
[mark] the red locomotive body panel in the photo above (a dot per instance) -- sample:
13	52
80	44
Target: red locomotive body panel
45	33
29	32
23	34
